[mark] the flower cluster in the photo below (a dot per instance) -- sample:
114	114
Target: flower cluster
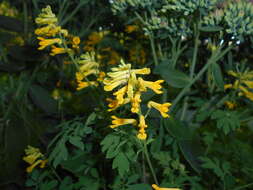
51	34
243	83
34	157
129	90
87	66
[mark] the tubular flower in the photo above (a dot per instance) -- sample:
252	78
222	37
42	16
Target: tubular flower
50	30
156	187
142	125
34	157
116	122
81	84
48	42
162	108
46	16
93	39
87	66
155	86
135	102
75	42
243	83
121	75
131	28
57	50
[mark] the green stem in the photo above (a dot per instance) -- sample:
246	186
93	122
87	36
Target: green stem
213	59
244	186
149	162
55	173
152	43
25	18
195	52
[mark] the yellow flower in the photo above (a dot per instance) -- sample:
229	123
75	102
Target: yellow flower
57	50
230	105
137	55
116	122
41	164
101	76
120	94
81	84
46	16
120	75
135	102
155	86
131	28
48	42
7	10
162	108
49	30
243	83
155	187
142	135
75	42
33	157
113	104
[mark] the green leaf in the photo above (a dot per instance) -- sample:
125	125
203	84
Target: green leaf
121	163
91	119
177	129
173	77
139	187
210	28
77	141
11	24
188	142
42	99
217	75
226	120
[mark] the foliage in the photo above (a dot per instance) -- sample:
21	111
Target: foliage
129	95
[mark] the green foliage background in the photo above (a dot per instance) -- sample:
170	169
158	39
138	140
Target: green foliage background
192	45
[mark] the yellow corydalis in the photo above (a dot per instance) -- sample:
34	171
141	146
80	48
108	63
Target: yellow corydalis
142	135
50	34
116	122
129	87
34	157
48	42
87	66
156	187
162	108
243	83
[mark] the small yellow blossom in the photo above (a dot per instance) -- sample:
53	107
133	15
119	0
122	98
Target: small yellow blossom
121	75
137	55
135	102
34	157
48	42
243	83
93	39
101	76
142	135
155	86
131	28
49	30
75	42
156	187
57	50
162	108
7	10
230	105
116	122
46	16
83	84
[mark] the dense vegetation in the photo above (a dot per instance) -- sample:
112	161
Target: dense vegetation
126	94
